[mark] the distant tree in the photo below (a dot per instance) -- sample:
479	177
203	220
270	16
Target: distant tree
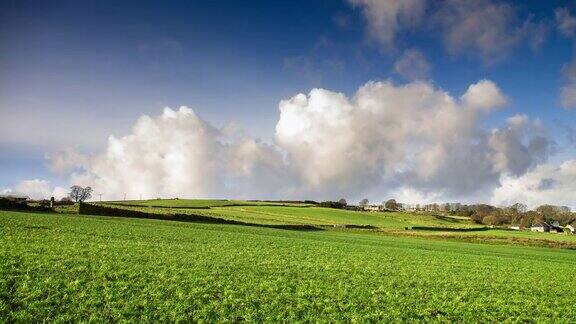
79	194
331	204
493	219
391	204
564	209
480	211
551	213
363	202
519	208
342	201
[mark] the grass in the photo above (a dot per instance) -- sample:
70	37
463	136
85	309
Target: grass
264	213
500	236
196	203
87	268
390	223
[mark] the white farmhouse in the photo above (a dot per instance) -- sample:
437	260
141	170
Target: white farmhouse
373	208
540	227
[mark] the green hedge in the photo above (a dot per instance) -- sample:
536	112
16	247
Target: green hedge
9	204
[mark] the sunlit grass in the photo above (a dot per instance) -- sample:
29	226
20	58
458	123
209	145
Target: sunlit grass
94	268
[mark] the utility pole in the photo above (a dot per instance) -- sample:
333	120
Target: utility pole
100	197
124	196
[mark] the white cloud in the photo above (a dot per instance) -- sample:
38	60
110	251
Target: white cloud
486	28
568	91
411	135
568	95
546	184
565	22
386	18
412	65
36	189
66	160
387	138
484	95
173	155
512	151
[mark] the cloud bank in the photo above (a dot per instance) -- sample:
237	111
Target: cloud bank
487	29
413	136
176	154
36	189
546	184
385	139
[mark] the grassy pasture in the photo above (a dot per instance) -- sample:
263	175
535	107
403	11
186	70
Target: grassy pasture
196	203
266	213
95	268
501	236
387	223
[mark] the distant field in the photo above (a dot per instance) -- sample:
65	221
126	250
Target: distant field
267	213
500	236
196	203
95	268
388	223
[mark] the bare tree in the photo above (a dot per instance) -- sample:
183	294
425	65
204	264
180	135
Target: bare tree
363	203
79	194
519	208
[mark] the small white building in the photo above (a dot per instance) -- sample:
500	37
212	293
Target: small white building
516	228
540	227
571	228
373	208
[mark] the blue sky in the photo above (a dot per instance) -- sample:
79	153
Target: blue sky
74	73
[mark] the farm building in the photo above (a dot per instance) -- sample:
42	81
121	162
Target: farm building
553	227
556	228
373	208
540	227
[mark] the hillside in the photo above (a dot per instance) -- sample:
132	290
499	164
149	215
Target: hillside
426	225
288	213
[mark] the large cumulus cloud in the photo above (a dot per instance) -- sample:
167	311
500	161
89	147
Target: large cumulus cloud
176	154
413	135
386	138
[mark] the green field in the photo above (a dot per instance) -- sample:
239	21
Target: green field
198	203
95	268
389	223
267	213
